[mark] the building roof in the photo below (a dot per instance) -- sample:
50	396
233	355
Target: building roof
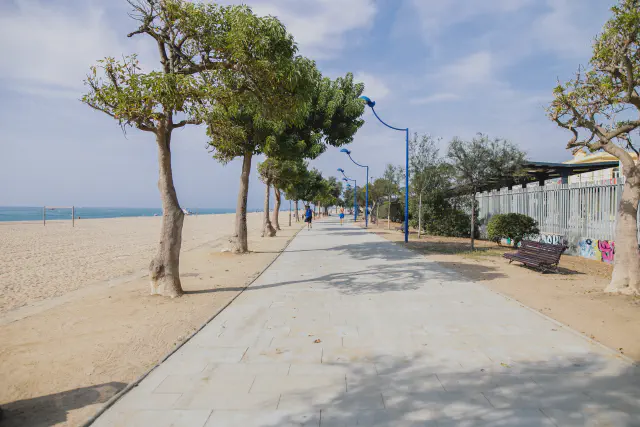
600	156
543	171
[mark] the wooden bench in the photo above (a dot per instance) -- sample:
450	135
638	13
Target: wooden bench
543	256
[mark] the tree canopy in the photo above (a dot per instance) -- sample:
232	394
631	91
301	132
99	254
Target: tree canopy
480	161
600	106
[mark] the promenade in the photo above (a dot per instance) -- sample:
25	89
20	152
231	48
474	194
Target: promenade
348	329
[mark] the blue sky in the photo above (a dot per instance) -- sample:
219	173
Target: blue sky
444	67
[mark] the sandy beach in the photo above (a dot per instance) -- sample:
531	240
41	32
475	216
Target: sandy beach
77	321
39	262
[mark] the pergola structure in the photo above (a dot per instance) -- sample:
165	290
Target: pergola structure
543	171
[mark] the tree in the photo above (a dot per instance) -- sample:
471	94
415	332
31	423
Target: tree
286	171
426	169
376	196
312	186
161	101
601	108
330	193
278	174
269	90
268	171
330	115
294	187
480	161
390	186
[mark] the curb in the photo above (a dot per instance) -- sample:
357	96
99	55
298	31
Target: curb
137	381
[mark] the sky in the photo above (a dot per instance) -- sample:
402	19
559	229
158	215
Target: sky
442	67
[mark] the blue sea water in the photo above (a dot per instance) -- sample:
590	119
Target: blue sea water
17	213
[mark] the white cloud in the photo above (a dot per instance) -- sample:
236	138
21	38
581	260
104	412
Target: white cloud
476	69
438	97
568	27
319	26
374	87
48	46
437	15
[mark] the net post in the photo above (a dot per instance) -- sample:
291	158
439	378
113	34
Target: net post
44	215
73	216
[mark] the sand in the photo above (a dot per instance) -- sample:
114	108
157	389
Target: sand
82	324
39	262
573	297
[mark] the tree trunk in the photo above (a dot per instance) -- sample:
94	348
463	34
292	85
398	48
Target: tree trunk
276	208
419	215
242	244
297	212
267	227
164	269
626	268
389	214
473	221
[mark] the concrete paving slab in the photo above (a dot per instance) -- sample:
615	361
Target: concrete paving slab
403	342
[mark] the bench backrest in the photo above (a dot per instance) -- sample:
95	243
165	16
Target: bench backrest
542	251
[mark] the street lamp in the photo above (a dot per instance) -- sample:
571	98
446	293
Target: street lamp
355	190
366	197
372	104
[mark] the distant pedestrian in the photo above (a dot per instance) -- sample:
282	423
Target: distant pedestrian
308	217
341	216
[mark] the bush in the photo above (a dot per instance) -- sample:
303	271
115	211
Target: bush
397	211
455	223
512	226
440	218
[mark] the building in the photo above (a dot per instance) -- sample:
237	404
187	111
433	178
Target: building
610	175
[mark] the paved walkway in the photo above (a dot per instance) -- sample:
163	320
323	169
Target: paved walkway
348	329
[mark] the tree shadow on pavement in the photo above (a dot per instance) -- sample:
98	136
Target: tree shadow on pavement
425	391
52	409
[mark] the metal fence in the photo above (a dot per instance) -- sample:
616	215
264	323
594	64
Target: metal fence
586	210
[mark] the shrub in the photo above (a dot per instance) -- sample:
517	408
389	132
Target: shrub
512	226
440	218
397	211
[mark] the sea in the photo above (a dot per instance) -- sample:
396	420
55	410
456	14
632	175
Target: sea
34	213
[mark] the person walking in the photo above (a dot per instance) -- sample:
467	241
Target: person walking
308	217
341	215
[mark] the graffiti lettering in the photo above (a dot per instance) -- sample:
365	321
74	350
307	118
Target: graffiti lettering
607	249
552	239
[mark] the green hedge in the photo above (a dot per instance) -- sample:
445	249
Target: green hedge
512	226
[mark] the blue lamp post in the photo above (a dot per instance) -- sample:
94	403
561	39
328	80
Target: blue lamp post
372	104
366	197
355	190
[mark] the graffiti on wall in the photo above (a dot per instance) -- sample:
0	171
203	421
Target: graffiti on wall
601	250
552	239
607	249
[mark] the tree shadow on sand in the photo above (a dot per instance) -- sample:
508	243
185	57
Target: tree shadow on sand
49	410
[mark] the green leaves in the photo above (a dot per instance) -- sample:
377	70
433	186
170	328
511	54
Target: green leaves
588	104
481	161
121	90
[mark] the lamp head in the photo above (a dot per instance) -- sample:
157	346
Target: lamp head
344	150
368	101
340	170
345	179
